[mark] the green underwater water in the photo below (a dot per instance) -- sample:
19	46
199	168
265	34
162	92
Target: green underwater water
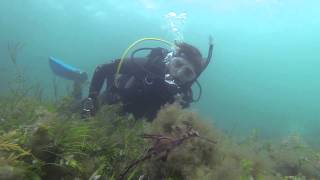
264	73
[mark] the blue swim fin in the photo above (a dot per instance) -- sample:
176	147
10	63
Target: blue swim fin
66	71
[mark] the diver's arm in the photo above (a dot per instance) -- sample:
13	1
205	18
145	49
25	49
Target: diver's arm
107	71
101	73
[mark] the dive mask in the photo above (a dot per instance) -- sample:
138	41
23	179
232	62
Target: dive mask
180	70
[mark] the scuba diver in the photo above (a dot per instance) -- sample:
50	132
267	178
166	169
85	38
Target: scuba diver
144	84
141	84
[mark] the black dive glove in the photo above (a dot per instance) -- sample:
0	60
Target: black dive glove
88	108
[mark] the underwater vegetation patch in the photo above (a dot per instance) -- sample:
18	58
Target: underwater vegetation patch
50	140
42	141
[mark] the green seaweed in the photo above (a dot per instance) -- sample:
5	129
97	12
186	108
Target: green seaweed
49	140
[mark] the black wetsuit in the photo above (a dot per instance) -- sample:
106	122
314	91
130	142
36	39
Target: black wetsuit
141	87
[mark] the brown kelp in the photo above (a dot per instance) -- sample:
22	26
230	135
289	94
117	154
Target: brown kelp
163	145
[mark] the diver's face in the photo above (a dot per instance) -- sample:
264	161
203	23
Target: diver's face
182	70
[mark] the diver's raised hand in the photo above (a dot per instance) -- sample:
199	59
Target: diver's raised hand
210	40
